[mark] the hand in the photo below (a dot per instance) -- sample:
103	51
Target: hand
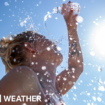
69	17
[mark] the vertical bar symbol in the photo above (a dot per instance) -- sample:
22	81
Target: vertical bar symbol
0	97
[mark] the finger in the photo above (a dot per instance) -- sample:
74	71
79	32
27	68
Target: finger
75	18
63	5
69	2
71	14
63	8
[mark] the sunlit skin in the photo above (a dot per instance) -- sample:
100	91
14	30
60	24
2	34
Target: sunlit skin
37	56
43	57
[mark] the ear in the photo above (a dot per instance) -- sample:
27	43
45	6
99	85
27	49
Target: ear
29	47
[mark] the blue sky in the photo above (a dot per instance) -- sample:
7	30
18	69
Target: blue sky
90	87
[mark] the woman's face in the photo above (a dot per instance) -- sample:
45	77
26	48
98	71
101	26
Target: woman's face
47	49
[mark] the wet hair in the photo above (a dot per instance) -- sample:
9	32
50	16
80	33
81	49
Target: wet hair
11	49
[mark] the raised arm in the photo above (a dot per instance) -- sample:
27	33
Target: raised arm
68	77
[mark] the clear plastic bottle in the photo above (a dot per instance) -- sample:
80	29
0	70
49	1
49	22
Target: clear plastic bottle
68	6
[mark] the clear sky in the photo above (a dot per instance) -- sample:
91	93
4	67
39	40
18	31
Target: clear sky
16	16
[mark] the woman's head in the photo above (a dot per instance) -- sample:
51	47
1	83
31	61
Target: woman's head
18	49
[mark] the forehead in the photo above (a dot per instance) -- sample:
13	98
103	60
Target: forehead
39	37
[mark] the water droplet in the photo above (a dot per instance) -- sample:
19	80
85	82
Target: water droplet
67	69
101	88
14	60
99	68
36	63
73	69
75	87
88	94
49	16
71	38
50	80
79	19
99	99
78	61
25	44
37	73
33	55
11	38
70	83
73	76
58	48
52	63
13	50
64	79
45	100
32	63
94	98
56	18
6	3
40	2
48	48
24	104
43	67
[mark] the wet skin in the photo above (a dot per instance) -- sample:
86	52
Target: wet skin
48	58
29	76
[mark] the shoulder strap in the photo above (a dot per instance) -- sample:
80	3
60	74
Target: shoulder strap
41	84
45	92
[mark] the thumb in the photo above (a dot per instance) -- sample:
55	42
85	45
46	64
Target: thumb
75	18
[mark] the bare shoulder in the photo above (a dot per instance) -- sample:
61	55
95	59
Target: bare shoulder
20	80
22	70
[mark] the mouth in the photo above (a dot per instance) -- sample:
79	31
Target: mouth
56	50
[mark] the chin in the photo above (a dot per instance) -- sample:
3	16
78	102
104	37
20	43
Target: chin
55	57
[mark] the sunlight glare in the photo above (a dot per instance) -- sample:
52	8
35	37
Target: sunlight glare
99	39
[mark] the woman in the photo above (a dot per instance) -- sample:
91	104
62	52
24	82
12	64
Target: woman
31	61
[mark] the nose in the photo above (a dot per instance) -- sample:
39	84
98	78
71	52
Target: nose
54	45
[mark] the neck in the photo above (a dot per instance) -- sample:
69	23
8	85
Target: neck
46	72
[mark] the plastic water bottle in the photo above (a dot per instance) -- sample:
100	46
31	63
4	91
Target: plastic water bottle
68	6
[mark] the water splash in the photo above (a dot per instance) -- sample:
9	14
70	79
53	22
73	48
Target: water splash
75	6
6	4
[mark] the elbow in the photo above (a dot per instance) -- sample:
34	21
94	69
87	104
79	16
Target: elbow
80	70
